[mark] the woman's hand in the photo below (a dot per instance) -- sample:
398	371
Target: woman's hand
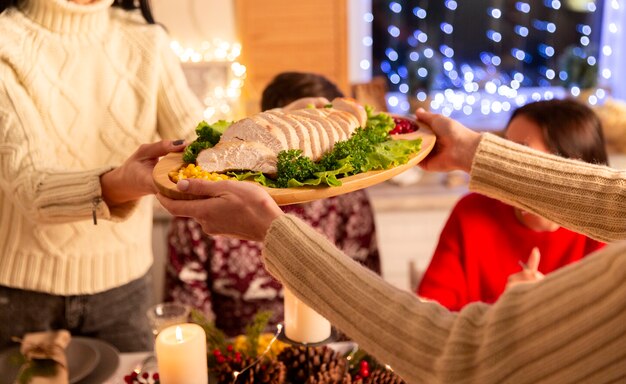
233	208
455	146
530	271
133	179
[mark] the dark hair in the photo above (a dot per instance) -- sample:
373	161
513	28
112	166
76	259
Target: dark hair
570	129
143	5
289	86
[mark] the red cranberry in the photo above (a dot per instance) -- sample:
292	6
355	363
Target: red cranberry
403	126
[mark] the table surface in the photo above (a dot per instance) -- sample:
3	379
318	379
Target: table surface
128	362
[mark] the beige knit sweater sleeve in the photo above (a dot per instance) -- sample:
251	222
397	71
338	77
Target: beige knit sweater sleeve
568	328
583	197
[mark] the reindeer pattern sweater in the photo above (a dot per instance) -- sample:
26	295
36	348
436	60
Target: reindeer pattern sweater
81	87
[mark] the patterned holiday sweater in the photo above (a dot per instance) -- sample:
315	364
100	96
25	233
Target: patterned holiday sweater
568	328
224	277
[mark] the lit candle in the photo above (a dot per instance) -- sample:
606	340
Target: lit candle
181	355
303	324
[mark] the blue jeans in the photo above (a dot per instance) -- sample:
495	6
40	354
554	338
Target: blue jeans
117	316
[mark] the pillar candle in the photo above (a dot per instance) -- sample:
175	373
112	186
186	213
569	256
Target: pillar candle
181	355
303	324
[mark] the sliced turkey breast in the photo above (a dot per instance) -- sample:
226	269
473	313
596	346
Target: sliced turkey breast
254	143
238	155
331	127
351	106
259	131
313	146
344	132
344	120
325	143
348	119
293	140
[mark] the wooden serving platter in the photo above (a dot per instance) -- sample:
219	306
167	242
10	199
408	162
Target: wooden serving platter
287	196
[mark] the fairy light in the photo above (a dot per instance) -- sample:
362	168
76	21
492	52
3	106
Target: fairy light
496	90
522	7
613	36
448	39
219	99
236	374
546	50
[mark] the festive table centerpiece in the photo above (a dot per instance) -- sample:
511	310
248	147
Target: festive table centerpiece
259	357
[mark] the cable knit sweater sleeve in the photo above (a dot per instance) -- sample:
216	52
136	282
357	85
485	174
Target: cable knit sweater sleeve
568	328
45	195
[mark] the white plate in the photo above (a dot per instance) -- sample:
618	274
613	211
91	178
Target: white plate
82	359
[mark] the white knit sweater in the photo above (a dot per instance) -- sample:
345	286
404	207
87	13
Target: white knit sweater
81	87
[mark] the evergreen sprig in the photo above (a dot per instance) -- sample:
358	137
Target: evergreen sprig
255	329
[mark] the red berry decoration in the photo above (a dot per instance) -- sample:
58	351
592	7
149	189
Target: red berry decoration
229	348
364	368
403	126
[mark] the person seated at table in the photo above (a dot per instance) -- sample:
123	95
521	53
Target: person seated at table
485	242
224	277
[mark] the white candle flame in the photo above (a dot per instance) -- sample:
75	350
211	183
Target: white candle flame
179	334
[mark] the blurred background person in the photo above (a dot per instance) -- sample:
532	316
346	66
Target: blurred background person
224	277
485	242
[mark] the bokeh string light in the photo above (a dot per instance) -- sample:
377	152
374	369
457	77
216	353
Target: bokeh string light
224	75
485	86
614	12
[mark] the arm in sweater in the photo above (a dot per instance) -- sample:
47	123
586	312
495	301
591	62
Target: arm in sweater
568	328
45	194
583	197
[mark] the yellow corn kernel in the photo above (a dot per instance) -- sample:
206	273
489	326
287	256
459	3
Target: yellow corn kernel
192	171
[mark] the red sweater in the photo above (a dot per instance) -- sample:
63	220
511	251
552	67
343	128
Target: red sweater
480	247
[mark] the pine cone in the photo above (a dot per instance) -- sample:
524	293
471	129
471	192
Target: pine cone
322	365
266	371
381	376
